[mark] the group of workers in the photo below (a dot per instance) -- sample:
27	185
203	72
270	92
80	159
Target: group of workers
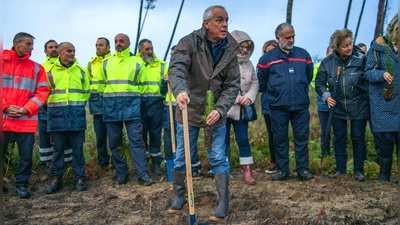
123	88
131	89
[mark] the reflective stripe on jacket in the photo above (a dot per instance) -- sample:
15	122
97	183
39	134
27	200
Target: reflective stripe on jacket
24	85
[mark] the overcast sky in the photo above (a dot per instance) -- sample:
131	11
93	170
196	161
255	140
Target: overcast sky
82	22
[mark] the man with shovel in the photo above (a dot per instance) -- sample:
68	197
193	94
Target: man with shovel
205	60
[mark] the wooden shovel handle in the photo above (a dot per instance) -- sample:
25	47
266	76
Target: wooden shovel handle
188	165
171	119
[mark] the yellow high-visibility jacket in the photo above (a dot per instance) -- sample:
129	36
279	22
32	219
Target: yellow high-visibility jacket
69	92
122	74
93	70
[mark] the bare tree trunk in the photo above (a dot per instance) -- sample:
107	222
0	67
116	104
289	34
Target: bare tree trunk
348	13
359	21
138	28
379	19
289	11
384	16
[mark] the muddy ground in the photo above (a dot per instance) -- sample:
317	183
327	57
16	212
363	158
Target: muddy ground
322	201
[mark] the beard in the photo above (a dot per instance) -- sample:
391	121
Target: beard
286	46
148	59
53	54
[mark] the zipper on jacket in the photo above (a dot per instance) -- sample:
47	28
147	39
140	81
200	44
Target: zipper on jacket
344	89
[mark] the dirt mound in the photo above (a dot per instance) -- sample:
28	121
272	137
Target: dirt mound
341	201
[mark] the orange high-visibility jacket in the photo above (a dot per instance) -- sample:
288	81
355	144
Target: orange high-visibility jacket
24	85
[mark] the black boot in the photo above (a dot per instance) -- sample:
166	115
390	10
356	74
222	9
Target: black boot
178	181
56	184
222	183
384	173
157	170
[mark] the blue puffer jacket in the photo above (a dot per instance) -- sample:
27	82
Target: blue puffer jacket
384	114
284	78
351	89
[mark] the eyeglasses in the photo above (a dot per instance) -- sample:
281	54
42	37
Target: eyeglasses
221	21
244	47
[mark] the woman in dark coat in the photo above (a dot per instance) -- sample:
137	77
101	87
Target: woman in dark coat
340	82
382	54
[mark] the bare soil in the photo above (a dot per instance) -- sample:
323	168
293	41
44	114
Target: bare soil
319	201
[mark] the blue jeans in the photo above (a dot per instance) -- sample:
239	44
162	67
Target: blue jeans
195	161
59	141
387	142
218	160
136	146
357	129
300	120
100	129
25	148
241	135
271	146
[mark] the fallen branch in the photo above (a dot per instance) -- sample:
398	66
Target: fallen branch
320	214
150	209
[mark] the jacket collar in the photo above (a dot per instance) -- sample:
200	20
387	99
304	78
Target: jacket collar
100	58
15	56
231	51
59	64
231	46
124	53
51	60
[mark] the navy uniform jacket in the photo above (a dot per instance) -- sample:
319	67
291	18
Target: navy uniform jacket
284	78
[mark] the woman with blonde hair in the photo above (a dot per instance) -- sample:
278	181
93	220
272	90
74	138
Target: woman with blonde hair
340	82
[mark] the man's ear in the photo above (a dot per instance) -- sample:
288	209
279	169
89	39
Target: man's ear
206	24
277	38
